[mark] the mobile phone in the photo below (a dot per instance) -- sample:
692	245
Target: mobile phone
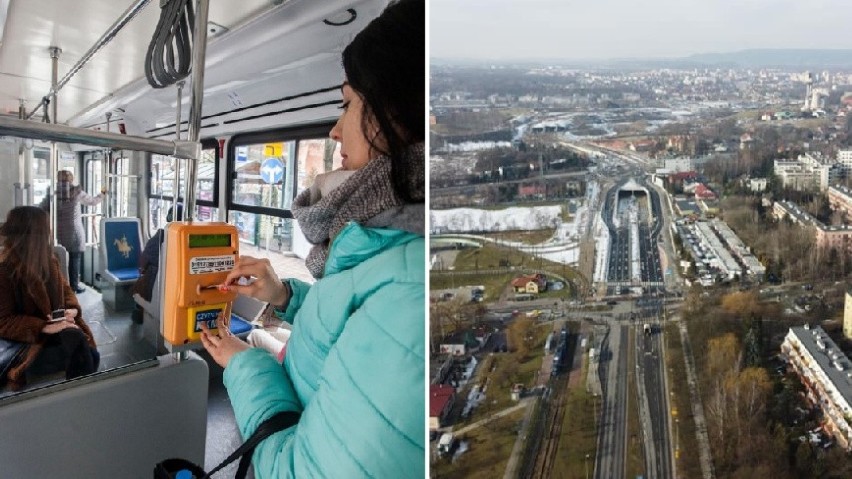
57	315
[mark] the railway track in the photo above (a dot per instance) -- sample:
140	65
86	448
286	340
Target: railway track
553	429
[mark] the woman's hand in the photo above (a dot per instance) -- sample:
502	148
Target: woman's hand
70	315
262	282
57	326
221	346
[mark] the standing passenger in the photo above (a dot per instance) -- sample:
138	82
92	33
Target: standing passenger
355	363
31	289
69	222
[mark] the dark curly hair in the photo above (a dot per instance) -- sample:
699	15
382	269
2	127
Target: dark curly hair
385	64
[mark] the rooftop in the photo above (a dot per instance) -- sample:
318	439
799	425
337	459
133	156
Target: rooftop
828	357
439	395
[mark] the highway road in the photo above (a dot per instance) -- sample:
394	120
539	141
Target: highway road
654	404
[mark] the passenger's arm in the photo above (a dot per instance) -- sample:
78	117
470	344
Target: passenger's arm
366	416
89	200
298	291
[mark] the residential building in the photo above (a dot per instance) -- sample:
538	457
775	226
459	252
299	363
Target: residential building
840	198
678	165
441	399
757	184
847	315
826	374
529	284
811	171
836	237
460	344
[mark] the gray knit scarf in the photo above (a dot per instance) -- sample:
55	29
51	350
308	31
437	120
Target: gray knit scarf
368	198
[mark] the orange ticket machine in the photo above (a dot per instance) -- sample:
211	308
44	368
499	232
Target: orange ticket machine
196	258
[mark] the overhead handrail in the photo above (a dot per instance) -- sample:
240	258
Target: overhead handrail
70	134
125	18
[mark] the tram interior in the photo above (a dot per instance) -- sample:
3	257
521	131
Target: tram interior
272	81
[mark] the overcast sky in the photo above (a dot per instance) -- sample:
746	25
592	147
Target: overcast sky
601	29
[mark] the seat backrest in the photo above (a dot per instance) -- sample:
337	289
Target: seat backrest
62	256
157	412
121	243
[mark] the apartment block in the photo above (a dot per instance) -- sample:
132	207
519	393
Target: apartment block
826	374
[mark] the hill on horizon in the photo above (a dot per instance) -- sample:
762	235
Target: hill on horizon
750	58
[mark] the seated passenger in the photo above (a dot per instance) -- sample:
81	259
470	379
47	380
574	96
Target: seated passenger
149	264
31	288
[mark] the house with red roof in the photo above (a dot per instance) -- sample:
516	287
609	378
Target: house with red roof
441	399
531	284
704	193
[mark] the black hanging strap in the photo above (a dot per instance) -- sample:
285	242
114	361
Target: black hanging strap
276	423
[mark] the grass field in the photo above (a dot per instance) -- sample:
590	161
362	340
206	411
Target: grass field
489	449
687	463
491	444
578	436
491	257
635	464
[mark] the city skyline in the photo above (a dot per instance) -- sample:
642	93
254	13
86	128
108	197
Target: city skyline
615	30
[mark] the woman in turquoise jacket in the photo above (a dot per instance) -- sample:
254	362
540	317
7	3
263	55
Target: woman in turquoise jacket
355	363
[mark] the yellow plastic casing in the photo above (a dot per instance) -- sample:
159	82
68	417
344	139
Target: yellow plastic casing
195	255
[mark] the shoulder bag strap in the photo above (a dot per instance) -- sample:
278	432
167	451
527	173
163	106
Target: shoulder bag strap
276	423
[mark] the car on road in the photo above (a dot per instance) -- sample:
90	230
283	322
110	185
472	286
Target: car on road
612	303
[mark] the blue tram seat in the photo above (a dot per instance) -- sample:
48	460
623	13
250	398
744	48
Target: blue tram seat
121	245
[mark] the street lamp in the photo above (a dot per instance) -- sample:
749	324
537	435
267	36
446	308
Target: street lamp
587	466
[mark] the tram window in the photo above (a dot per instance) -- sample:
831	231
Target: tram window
263	175
271	237
316	157
158	208
93	164
161	188
120	189
266	172
41	173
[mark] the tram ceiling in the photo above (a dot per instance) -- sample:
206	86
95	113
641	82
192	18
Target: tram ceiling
269	49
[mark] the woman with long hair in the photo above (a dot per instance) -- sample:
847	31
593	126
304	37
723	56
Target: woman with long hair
37	305
69	221
354	365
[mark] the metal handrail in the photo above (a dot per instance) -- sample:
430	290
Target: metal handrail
123	20
70	134
199	50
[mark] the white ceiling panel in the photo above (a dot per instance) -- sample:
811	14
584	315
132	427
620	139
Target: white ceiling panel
263	42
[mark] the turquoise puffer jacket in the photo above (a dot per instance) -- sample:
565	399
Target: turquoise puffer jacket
354	368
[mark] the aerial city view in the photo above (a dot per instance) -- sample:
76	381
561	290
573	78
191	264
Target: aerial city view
641	240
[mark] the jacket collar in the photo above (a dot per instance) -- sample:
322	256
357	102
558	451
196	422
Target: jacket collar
356	243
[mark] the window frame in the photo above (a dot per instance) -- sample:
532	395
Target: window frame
296	134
